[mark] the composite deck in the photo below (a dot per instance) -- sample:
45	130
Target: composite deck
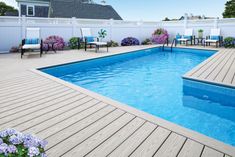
77	122
218	69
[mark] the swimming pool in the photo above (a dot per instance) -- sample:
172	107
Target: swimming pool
150	80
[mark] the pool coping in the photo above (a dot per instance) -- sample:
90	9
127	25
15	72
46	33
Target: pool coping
200	138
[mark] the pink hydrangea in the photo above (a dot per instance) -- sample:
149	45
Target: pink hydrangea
160	36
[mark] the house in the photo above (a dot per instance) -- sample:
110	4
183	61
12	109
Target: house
66	9
196	17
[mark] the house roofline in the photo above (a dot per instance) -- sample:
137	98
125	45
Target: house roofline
36	1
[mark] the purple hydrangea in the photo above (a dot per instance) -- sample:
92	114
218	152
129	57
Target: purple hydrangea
16	139
12	141
160	36
43	155
3	148
11	149
130	41
31	141
58	41
3	134
33	151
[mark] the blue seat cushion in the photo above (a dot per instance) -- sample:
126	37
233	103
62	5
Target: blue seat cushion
214	37
178	36
187	37
89	39
31	41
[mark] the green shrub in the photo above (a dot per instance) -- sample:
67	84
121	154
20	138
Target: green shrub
147	42
229	42
73	43
112	44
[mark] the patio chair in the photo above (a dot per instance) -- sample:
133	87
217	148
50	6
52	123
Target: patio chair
91	40
214	37
32	41
188	36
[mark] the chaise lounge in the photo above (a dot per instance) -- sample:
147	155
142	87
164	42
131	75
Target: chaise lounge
32	41
214	37
91	40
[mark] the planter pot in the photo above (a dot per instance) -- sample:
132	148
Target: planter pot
200	34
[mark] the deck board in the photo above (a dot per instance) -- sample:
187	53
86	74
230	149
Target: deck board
76	122
191	148
218	69
171	146
211	152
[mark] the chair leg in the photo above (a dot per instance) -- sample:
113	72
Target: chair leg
107	48
22	52
85	46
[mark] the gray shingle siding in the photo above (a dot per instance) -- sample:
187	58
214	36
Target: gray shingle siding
40	11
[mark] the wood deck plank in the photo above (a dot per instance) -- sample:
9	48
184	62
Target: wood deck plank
32	91
207	64
208	152
230	75
171	146
129	146
14	109
74	123
220	77
32	98
191	148
218	62
152	143
93	141
75	105
109	145
27	116
218	68
87	108
79	136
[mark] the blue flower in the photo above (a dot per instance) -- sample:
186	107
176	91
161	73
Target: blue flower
43	155
3	134
16	139
3	148
43	143
11	132
33	151
1	141
12	149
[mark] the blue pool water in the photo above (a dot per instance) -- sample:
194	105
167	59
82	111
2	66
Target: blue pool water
150	80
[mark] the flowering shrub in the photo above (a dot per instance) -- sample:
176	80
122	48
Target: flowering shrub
229	42
160	36
73	43
59	43
16	144
130	41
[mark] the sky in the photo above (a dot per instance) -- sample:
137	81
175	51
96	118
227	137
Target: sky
155	10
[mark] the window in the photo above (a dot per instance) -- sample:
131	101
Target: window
30	10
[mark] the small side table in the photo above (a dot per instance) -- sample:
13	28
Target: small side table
200	41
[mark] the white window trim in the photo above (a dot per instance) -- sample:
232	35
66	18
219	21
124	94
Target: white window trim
33	10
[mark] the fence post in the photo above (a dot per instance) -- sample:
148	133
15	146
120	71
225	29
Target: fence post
73	26
111	29
23	26
185	20
139	24
216	23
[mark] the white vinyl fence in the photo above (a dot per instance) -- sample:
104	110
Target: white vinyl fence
12	29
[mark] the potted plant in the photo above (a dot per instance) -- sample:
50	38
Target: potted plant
102	34
200	33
